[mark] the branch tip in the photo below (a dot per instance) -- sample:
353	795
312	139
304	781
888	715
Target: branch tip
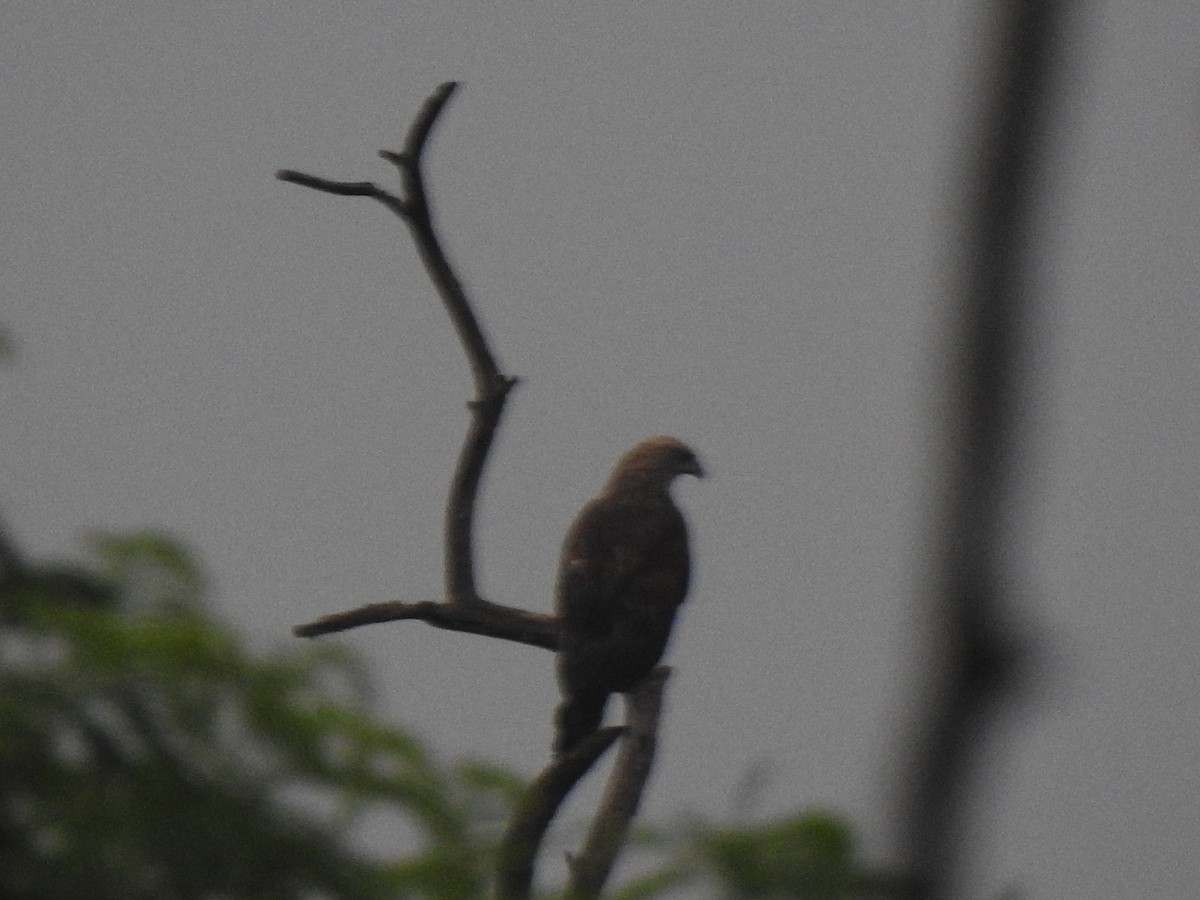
423	124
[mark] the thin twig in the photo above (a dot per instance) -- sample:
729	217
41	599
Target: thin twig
346	189
977	656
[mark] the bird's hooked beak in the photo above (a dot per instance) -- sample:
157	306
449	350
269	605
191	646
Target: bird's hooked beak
692	467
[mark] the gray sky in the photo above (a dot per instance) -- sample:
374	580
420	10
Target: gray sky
731	223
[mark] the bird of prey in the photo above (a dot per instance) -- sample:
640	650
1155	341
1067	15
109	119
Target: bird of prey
623	573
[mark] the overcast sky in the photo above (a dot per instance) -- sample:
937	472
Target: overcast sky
733	223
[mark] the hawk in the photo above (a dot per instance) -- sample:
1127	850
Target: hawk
623	573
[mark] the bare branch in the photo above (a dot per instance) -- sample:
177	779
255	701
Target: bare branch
590	870
422	125
486	408
490	619
527	827
491	387
345	189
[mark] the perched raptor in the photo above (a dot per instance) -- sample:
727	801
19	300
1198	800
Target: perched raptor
624	571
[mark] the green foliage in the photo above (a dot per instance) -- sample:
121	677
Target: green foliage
809	856
146	753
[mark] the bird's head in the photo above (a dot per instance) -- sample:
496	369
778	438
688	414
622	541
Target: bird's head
655	463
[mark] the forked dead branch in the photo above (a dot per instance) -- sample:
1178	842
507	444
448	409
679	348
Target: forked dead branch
462	608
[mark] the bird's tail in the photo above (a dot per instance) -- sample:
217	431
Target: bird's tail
576	719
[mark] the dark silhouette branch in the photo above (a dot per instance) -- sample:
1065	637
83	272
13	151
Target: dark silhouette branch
977	657
346	189
523	836
590	869
643	705
463	608
490	619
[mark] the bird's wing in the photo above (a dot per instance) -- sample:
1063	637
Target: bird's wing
618	555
